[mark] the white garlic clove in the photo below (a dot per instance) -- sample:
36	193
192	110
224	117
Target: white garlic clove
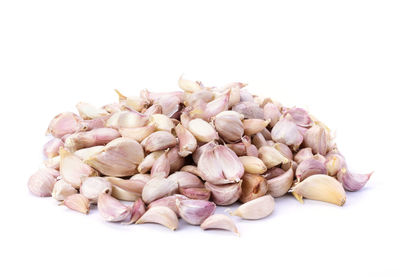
280	185
52	147
303	154
159	140
96	137
256	209
160	215
73	169
219	221
41	183
139	133
254	125
232	168
149	161
77	202
202	130
161	166
88	111
229	125
186	180
317	139
158	187
124	195
187	142
162	122
285	131
92	187
225	195
111	209
188	85
62	190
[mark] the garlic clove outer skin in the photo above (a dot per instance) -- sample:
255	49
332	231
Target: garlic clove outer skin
352	181
160	215
41	183
219	221
77	202
62	190
256	209
195	212
111	209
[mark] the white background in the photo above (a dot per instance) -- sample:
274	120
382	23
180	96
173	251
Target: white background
338	59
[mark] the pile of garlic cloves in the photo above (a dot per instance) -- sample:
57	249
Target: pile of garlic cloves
158	157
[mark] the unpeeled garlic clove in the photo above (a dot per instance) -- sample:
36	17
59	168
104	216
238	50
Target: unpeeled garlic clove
284	149
187	142
249	110
334	162
215	107
158	187
88	111
168	201
273	172
224	195
352	181
132	185
124	195
285	131
119	158
271	157
317	139
77	202
149	161
229	125
162	122
138	210
53	163
188	85
156	96
41	183
127	119
200	150
139	133
272	112
310	167
86	153
256	209
194	170
251	150
239	148
96	137
253	164
202	130
160	215
92	187
303	154
195	211
62	189
176	161
169	105
186	180
52	147
219	221
73	169
300	117
281	184
135	102
259	141
153	109
111	209
321	187
196	193
159	140
253	126
161	166
64	124
253	186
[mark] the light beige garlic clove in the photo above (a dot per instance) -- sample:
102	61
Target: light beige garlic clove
168	201
280	185
138	210
196	193
41	183
188	85
253	164
253	186
92	187
111	209
317	139
272	112
229	125
219	221
161	166
51	148
99	136
139	133
124	195
202	130
321	187
159	140
194	170
310	167
224	195
149	161
86	153
334	162
256	209
285	131
176	161
162	122
53	163
131	185
253	126
158	187
303	154
160	215
195	211
64	124
73	169
187	142
77	202
88	111
186	180
135	102
127	119
284	149
62	189
271	157
119	158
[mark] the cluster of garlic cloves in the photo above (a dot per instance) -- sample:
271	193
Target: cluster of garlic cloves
180	154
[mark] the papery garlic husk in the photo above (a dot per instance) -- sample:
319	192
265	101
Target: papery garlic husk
272	112
195	211
196	193
254	126
62	189
88	111
253	164
139	133
202	130
111	209
127	119
162	122
100	136
119	158
352	181
334	162
149	161
64	124
73	169
161	166
281	184
187	142
194	170
253	186
310	167
138	210
285	131
77	202
239	148
271	157
168	201
317	139
321	187
186	180
170	105
160	215
303	154
92	187
229	125
256	209
224	195
124	195
51	148
131	185
41	183
159	140
200	150
219	221
249	110
176	161
158	187
284	149
273	172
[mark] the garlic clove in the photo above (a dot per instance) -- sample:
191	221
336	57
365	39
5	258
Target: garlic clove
100	136
111	209
202	130
51	148
219	221
210	167
159	140
352	181
249	110
64	124
53	163
259	141
310	167
194	170
253	186
139	133
153	109
161	166
200	150
158	187
62	189
149	161
232	168
196	193
88	111
127	119
119	158
138	210
229	125
254	125
216	106
284	149
253	164
41	183
132	185
271	157
187	142
77	202
273	172
162	122
303	154
124	195
186	180
160	215
195	211
251	150
168	201
334	162
285	131
256	209
169	105
239	148
317	139
272	112
300	117
321	187
224	195
92	187
73	169
188	85
280	185
85	153
176	161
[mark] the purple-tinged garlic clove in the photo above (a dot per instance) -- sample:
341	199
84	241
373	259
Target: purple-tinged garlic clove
186	180
161	166
41	183
239	148
73	169
157	188
64	124
168	201
271	156
303	154
280	185
249	110
251	150
256	209
210	167
86	153
159	140
200	150
214	107
92	187
111	209
176	161
77	202
224	195
317	139
310	167
219	221
187	142
272	112
229	126
194	170
300	117
273	172
195	211
196	193
352	181
160	215
138	210
153	109
52	147
139	133
148	161
259	141
286	132
127	119
96	137
231	166
62	190
253	186
132	184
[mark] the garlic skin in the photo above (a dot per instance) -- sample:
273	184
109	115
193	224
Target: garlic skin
160	215
134	184
285	131
77	202
229	125
176	162
111	209
62	190
200	150
119	157
272	112
161	166
159	140
187	142
138	210
51	148
193	170
321	187
41	183
158	187
280	185
162	122
196	193
310	167
64	124
202	130
253	164
92	187
300	117
254	126
186	180
195	211
139	133
271	157
352	181
168	201
88	111
317	139
249	110
256	209
73	169
253	186
219	221
334	162
99	136
303	154
224	195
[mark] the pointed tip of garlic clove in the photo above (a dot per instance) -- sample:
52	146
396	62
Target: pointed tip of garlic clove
256	209
77	202
111	209
353	181
160	215
220	221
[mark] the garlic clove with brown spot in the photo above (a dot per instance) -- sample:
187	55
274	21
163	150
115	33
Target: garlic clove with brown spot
195	211
160	215
111	209
41	183
253	186
256	209
219	221
317	139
